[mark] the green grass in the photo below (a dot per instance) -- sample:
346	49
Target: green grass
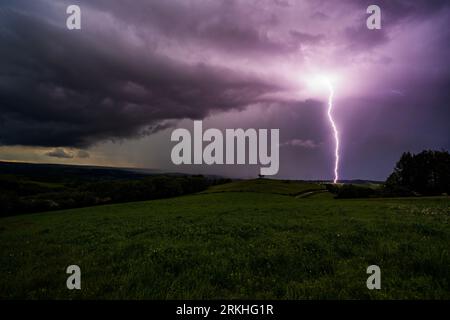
255	245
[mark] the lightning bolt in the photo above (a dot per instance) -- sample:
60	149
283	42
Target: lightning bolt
335	130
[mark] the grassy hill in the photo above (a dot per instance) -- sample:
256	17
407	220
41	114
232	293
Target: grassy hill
258	243
30	188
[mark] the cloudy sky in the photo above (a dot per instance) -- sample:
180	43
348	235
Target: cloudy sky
112	92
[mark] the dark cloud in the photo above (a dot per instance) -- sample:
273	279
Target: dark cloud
60	153
393	13
241	38
74	89
232	26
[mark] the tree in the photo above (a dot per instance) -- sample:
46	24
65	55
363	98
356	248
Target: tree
425	173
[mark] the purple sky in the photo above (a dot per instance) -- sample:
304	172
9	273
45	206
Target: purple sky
112	92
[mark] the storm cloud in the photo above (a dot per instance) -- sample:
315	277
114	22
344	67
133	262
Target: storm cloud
74	89
139	67
60	153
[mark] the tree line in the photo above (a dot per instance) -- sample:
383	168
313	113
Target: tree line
19	196
424	174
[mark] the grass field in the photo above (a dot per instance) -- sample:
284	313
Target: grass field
243	240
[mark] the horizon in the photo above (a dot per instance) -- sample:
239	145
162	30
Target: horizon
160	172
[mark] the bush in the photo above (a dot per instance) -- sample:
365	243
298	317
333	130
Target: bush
347	191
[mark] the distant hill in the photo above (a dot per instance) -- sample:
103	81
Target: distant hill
28	188
285	187
61	172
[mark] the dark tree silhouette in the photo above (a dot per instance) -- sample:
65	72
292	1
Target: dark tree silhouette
425	173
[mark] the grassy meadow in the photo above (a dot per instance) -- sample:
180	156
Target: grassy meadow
249	239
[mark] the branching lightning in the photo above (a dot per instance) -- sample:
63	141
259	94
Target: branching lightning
335	130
